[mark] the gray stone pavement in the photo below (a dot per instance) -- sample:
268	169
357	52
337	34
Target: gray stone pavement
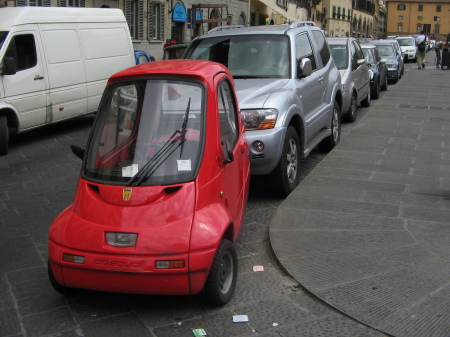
368	230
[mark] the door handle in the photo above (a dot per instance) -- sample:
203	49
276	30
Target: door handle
320	79
38	77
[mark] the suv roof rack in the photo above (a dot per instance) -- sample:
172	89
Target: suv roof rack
218	29
301	24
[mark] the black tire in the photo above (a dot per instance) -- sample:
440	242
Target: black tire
221	282
366	101
350	116
332	140
4	135
384	87
376	90
58	287
286	175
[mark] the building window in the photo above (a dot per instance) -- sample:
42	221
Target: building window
437	28
419	18
401	7
134	13
282	3
420	8
400	28
400	17
339	13
419	28
72	3
156	20
438	8
334	12
40	3
349	16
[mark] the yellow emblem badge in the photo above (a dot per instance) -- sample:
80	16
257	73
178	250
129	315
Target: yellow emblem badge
127	194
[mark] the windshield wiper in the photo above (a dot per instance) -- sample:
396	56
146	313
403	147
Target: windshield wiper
163	153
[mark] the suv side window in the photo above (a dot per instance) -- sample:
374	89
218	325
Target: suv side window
303	49
227	115
322	46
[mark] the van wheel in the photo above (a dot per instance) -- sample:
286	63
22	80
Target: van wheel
332	140
286	175
58	287
4	135
221	282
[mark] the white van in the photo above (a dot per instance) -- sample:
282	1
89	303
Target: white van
54	63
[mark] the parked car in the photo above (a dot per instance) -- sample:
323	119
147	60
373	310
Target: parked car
350	61
289	91
163	186
387	51
174	51
408	47
377	69
55	62
142	56
398	54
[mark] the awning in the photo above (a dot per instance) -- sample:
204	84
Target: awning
279	10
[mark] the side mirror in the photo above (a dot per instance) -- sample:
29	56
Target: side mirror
78	151
382	61
230	157
304	68
9	66
360	61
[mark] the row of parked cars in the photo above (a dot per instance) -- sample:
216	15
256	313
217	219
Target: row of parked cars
166	169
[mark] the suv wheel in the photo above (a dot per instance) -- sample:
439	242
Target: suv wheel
4	136
350	116
366	101
286	175
332	140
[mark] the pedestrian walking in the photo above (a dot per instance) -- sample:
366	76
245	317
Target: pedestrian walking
437	49
421	43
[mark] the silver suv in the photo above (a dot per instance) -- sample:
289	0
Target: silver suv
289	93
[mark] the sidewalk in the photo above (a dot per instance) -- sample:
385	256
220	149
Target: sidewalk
368	230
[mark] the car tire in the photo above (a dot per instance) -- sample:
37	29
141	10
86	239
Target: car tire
376	91
4	135
286	175
366	101
384	87
350	116
58	287
332	140
221	282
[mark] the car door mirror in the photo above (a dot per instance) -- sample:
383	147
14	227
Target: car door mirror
78	151
382	61
9	66
304	68
230	156
360	62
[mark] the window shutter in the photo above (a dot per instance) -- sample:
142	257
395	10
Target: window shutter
141	20
62	3
150	20
21	3
128	13
163	21
82	3
47	3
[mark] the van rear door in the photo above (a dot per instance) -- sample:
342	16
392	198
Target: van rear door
26	89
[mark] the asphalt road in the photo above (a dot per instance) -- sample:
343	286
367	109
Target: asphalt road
37	181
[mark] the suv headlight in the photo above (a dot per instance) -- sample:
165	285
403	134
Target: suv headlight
259	119
391	65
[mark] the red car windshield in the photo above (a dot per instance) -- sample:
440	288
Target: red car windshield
147	132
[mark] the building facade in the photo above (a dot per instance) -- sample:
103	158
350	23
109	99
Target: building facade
405	17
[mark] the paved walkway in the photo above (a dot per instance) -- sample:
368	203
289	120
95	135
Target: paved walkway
368	230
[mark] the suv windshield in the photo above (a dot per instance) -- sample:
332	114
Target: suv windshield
386	50
246	56
147	132
406	41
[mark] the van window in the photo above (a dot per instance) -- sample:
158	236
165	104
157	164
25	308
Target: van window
3	36
23	49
